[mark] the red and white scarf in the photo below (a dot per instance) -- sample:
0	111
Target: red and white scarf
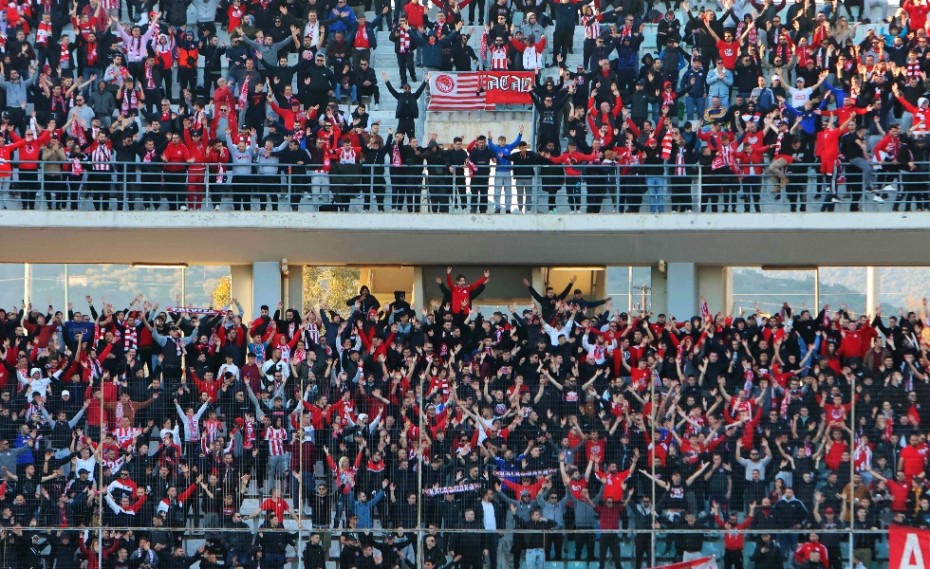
249	435
244	92
43	32
130	338
667	146
149	77
403	40
130	100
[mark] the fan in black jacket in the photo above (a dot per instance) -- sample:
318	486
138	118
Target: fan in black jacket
314	557
407	107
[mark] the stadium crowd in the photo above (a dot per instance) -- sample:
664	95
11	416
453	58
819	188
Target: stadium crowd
753	99
504	436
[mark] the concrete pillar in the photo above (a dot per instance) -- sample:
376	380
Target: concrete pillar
682	289
241	289
598	285
609	283
873	291
295	287
538	280
659	291
266	284
716	285
418	300
677	290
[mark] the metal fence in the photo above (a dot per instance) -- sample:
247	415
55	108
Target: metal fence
442	189
653	528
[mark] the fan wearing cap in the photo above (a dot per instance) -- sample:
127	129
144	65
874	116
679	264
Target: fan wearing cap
800	94
172	348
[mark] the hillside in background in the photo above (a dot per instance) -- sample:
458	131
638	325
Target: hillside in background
899	287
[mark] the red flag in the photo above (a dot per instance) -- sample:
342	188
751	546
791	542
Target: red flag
509	87
702	563
908	548
457	92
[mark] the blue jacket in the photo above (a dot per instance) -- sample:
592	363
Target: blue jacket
628	52
696	89
344	22
565	14
717	87
838	93
502	153
364	510
808	119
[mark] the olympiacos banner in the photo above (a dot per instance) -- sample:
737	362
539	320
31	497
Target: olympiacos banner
479	90
908	548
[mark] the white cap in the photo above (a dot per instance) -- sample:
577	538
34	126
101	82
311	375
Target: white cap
34	371
362	417
65	393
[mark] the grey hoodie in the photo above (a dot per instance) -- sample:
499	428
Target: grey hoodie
206	10
16	90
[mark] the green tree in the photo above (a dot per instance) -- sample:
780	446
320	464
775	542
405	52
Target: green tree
331	286
222	292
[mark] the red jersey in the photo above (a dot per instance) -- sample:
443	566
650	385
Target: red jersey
729	53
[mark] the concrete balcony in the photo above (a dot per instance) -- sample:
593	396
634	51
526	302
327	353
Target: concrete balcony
208	237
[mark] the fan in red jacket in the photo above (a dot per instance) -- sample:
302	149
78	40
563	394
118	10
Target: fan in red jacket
733	539
198	148
813	551
461	292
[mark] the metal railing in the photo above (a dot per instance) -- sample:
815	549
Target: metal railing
442	189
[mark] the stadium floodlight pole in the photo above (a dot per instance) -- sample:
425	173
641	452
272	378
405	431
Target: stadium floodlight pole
299	431
103	429
420	468
652	466
852	470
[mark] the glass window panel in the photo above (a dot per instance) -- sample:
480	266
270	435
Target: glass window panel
48	286
844	285
11	285
204	283
902	287
772	288
119	284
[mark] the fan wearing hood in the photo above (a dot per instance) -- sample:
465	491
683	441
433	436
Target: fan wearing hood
921	112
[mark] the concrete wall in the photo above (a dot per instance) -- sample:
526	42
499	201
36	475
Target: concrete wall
239	238
469	124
